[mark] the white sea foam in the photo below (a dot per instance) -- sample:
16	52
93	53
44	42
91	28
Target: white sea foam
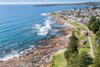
15	54
43	14
32	46
9	56
58	11
43	30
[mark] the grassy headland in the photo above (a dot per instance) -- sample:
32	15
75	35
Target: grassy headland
85	35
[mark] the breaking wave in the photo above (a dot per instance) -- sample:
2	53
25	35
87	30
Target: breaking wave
44	14
43	30
10	56
16	54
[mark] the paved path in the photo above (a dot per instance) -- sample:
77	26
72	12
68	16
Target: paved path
91	47
89	39
90	42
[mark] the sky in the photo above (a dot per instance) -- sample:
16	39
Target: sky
43	1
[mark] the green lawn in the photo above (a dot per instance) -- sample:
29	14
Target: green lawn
59	60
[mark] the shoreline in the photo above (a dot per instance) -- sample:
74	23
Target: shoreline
80	3
41	56
33	48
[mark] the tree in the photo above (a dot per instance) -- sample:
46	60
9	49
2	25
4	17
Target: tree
94	24
94	27
73	59
73	47
98	38
97	52
80	60
91	20
97	58
84	60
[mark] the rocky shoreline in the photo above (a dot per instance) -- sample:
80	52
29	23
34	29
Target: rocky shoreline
41	57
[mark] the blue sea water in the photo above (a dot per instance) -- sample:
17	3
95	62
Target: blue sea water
21	26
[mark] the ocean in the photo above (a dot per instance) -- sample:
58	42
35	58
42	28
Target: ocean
22	26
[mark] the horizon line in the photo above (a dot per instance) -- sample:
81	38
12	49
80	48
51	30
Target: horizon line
43	3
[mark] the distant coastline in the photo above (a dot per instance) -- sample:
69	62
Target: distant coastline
84	3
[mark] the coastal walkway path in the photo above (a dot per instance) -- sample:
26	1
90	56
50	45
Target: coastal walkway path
91	47
89	38
74	23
